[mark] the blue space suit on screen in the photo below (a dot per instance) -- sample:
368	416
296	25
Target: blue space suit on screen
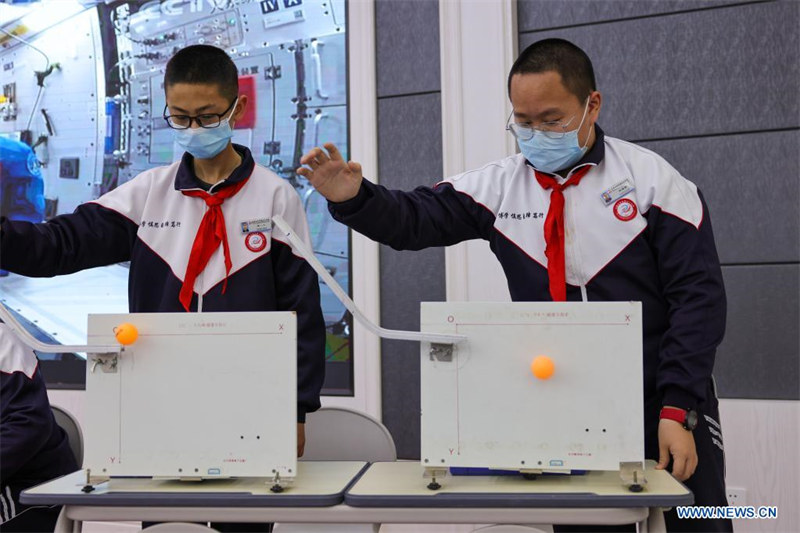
21	183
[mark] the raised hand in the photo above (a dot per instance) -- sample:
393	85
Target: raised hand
335	179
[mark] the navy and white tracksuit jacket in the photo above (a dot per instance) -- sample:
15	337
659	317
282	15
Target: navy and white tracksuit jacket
149	222
635	230
33	447
653	243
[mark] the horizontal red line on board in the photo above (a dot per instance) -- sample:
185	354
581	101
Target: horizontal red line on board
227	334
542	324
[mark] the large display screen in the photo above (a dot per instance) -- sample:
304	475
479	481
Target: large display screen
95	123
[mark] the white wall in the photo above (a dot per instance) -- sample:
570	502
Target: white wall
762	455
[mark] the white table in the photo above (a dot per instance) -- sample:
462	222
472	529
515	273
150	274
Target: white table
395	492
316	491
384	493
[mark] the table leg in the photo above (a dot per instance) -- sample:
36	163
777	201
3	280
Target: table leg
67	525
508	528
282	527
655	521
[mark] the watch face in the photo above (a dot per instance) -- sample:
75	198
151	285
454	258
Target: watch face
691	420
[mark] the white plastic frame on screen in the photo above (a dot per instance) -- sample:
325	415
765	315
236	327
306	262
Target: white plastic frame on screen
365	274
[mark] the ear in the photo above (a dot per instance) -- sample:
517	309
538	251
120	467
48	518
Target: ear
240	108
595	103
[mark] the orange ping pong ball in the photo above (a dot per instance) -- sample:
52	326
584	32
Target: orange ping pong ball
126	333
542	367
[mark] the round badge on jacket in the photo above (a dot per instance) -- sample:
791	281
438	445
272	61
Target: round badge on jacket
255	241
625	209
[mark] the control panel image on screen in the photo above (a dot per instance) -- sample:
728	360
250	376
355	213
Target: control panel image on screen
81	113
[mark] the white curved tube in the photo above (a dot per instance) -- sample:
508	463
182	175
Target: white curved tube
308	255
39	346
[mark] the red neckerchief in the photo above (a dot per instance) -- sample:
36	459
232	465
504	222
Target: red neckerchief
209	235
554	230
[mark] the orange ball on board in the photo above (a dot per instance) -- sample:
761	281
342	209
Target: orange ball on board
126	333
543	367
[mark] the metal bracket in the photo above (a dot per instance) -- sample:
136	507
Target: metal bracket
93	481
279	484
272	148
106	361
432	472
272	73
632	475
441	352
276	487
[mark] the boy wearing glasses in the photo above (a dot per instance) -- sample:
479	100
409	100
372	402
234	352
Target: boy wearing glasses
197	233
580	216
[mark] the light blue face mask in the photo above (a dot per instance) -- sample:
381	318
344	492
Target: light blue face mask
553	154
205	143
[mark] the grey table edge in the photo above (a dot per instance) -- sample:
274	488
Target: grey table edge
197	499
516	500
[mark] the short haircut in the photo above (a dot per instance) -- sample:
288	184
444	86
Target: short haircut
560	56
203	64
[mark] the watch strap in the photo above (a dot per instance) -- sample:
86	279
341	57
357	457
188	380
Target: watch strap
676	414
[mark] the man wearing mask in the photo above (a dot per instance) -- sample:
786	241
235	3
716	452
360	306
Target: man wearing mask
580	216
197	233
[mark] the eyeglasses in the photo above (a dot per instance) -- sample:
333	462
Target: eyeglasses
206	120
552	130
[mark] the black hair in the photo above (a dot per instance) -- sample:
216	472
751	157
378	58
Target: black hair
560	56
205	64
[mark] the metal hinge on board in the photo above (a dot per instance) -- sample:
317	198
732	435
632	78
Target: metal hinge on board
441	352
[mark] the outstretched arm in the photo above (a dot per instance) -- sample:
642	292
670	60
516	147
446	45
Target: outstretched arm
413	220
91	236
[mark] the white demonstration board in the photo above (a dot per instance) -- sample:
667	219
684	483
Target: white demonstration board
486	409
198	395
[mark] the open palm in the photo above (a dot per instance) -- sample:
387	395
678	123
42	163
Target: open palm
335	179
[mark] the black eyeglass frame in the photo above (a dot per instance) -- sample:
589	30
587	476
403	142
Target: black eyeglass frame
197	118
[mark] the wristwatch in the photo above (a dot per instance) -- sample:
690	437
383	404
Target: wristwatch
688	419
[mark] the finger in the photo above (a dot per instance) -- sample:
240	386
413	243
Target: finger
305	172
663	457
315	154
692	466
354	167
321	156
310	155
334	153
679	464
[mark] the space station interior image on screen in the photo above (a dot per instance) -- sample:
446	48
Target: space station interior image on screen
81	113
